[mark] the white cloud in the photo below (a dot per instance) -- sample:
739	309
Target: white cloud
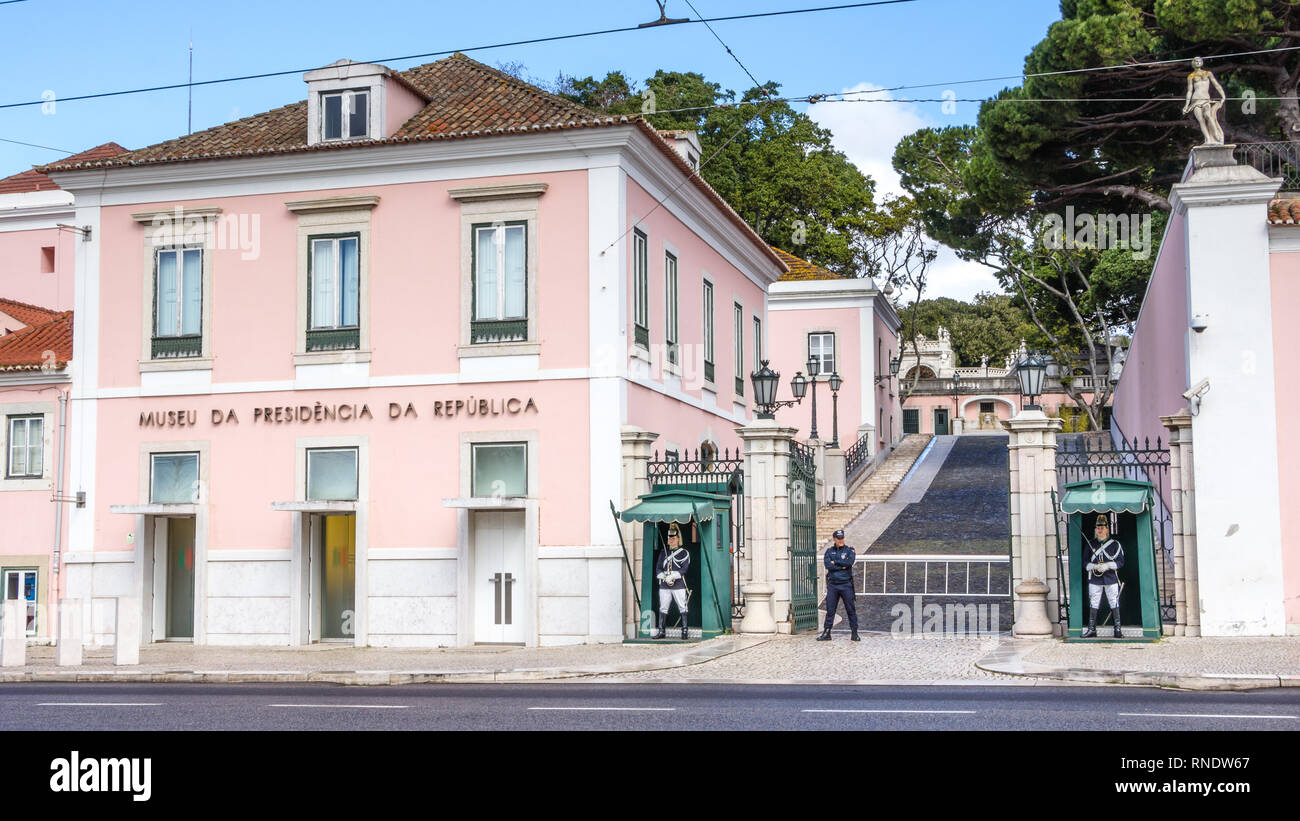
867	134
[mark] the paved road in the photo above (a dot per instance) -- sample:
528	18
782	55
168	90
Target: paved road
588	706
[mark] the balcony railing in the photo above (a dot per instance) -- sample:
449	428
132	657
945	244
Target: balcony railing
176	347
998	385
1281	159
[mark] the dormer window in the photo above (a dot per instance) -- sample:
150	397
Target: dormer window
345	115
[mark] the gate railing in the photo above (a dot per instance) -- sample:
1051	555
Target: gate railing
906	578
716	472
1082	458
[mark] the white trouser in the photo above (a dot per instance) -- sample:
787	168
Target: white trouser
1094	595
667	595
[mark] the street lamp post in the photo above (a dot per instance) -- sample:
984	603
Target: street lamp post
836	383
956	393
814	368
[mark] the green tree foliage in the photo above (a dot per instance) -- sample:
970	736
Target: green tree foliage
774	165
992	325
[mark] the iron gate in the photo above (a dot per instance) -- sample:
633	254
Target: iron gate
803	537
1082	457
709	472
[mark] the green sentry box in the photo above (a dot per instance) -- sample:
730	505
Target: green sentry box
709	577
1130	500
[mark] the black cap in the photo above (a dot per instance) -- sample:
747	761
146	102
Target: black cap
839	534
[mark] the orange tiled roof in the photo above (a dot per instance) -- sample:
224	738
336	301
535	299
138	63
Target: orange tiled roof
802	269
25	313
34	180
465	99
1284	211
36	347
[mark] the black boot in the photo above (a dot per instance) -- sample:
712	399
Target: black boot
1091	632
660	620
854	636
825	636
685	632
1119	634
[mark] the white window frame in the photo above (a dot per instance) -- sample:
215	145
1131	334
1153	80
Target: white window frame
821	353
333	216
738	340
308	451
500	229
197	496
9	412
499	203
671	329
641	281
336	276
474	450
25	420
180	251
348	97
706	297
758	341
176	229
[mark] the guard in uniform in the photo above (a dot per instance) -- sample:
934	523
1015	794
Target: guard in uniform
671	573
1107	556
839	585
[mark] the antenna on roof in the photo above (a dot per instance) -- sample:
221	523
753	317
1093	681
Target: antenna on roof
189	111
663	18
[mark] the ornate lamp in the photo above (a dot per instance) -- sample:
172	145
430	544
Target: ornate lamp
765	382
1030	370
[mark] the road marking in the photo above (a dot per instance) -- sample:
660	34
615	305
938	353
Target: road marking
1198	715
348	706
100	704
924	712
613	709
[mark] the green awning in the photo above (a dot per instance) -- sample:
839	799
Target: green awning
669	510
1106	495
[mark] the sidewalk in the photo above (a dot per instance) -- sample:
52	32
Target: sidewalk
342	664
1187	663
880	659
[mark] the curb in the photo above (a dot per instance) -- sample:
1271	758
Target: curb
715	648
1009	659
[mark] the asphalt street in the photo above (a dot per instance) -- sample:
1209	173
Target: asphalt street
652	706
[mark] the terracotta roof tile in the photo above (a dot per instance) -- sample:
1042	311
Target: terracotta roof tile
1284	211
25	313
466	99
802	269
33	180
36	347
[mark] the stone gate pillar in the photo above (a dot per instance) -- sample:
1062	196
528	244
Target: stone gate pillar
1032	455
1182	505
636	456
767	527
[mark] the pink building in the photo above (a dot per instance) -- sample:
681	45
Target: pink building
851	330
1213	358
357	368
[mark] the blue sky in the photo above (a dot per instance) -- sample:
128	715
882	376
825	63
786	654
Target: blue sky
73	48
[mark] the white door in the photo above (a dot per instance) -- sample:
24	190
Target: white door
499	605
20	585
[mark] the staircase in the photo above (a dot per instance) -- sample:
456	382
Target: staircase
878	487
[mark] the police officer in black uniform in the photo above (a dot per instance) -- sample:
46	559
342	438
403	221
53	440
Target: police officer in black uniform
839	585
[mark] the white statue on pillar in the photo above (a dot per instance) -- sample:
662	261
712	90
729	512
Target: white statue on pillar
1199	101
